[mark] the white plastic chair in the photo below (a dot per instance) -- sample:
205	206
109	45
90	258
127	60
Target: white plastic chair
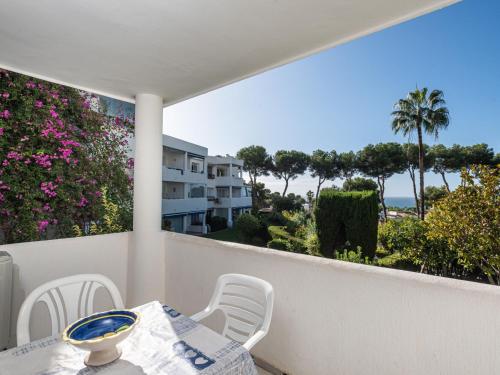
247	304
67	299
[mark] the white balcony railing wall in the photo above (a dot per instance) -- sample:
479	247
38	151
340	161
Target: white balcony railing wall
330	317
180	175
178	206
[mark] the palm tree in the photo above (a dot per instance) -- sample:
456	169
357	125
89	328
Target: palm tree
421	113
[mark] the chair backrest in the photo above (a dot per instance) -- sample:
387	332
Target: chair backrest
247	303
67	299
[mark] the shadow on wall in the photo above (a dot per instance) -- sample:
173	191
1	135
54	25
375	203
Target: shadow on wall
18	296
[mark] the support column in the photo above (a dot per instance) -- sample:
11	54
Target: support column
230	217
146	263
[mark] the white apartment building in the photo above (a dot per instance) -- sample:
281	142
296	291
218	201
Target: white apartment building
196	187
228	195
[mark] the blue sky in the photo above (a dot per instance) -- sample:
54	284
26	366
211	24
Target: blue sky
342	98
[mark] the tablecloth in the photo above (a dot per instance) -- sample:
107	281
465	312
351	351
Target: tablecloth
163	342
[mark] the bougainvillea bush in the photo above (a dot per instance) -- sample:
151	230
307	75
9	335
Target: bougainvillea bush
59	154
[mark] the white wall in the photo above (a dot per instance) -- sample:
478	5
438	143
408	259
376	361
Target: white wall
38	262
180	206
182	145
334	317
173	159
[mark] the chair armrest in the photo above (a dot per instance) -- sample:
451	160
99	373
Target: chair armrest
259	335
201	315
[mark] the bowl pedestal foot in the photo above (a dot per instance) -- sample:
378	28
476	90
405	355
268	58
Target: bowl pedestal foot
102	357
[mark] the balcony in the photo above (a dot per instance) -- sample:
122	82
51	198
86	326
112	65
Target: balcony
233	202
329	316
180	175
228	181
181	206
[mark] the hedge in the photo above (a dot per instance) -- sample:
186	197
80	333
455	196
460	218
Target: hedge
346	220
217	223
297	245
278	244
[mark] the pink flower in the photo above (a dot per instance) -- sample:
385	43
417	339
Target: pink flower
65	153
14	155
5	95
53	113
42	225
47	208
5	114
86	104
83	202
49	189
70	142
1	131
30	85
130	163
64	101
38	103
43	160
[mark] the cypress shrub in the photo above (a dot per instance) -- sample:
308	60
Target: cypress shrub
346	220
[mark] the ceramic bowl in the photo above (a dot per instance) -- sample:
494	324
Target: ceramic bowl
100	333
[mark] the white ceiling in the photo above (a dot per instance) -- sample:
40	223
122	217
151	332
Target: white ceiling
180	48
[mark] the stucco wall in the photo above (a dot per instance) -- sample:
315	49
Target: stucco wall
334	317
38	262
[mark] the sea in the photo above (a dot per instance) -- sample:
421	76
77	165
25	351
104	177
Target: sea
400	202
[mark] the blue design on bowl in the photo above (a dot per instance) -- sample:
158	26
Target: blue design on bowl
101	325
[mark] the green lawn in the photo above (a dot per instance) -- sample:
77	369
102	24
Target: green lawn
228	235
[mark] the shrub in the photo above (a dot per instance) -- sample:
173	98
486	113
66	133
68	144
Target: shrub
353	256
312	244
467	220
409	239
247	226
57	154
347	217
297	245
271	218
217	223
278	244
389	236
278	232
396	260
294	220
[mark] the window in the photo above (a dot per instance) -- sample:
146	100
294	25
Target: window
197	219
223	192
197	191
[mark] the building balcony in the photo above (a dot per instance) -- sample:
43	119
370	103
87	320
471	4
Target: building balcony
330	317
233	202
182	206
180	175
228	181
